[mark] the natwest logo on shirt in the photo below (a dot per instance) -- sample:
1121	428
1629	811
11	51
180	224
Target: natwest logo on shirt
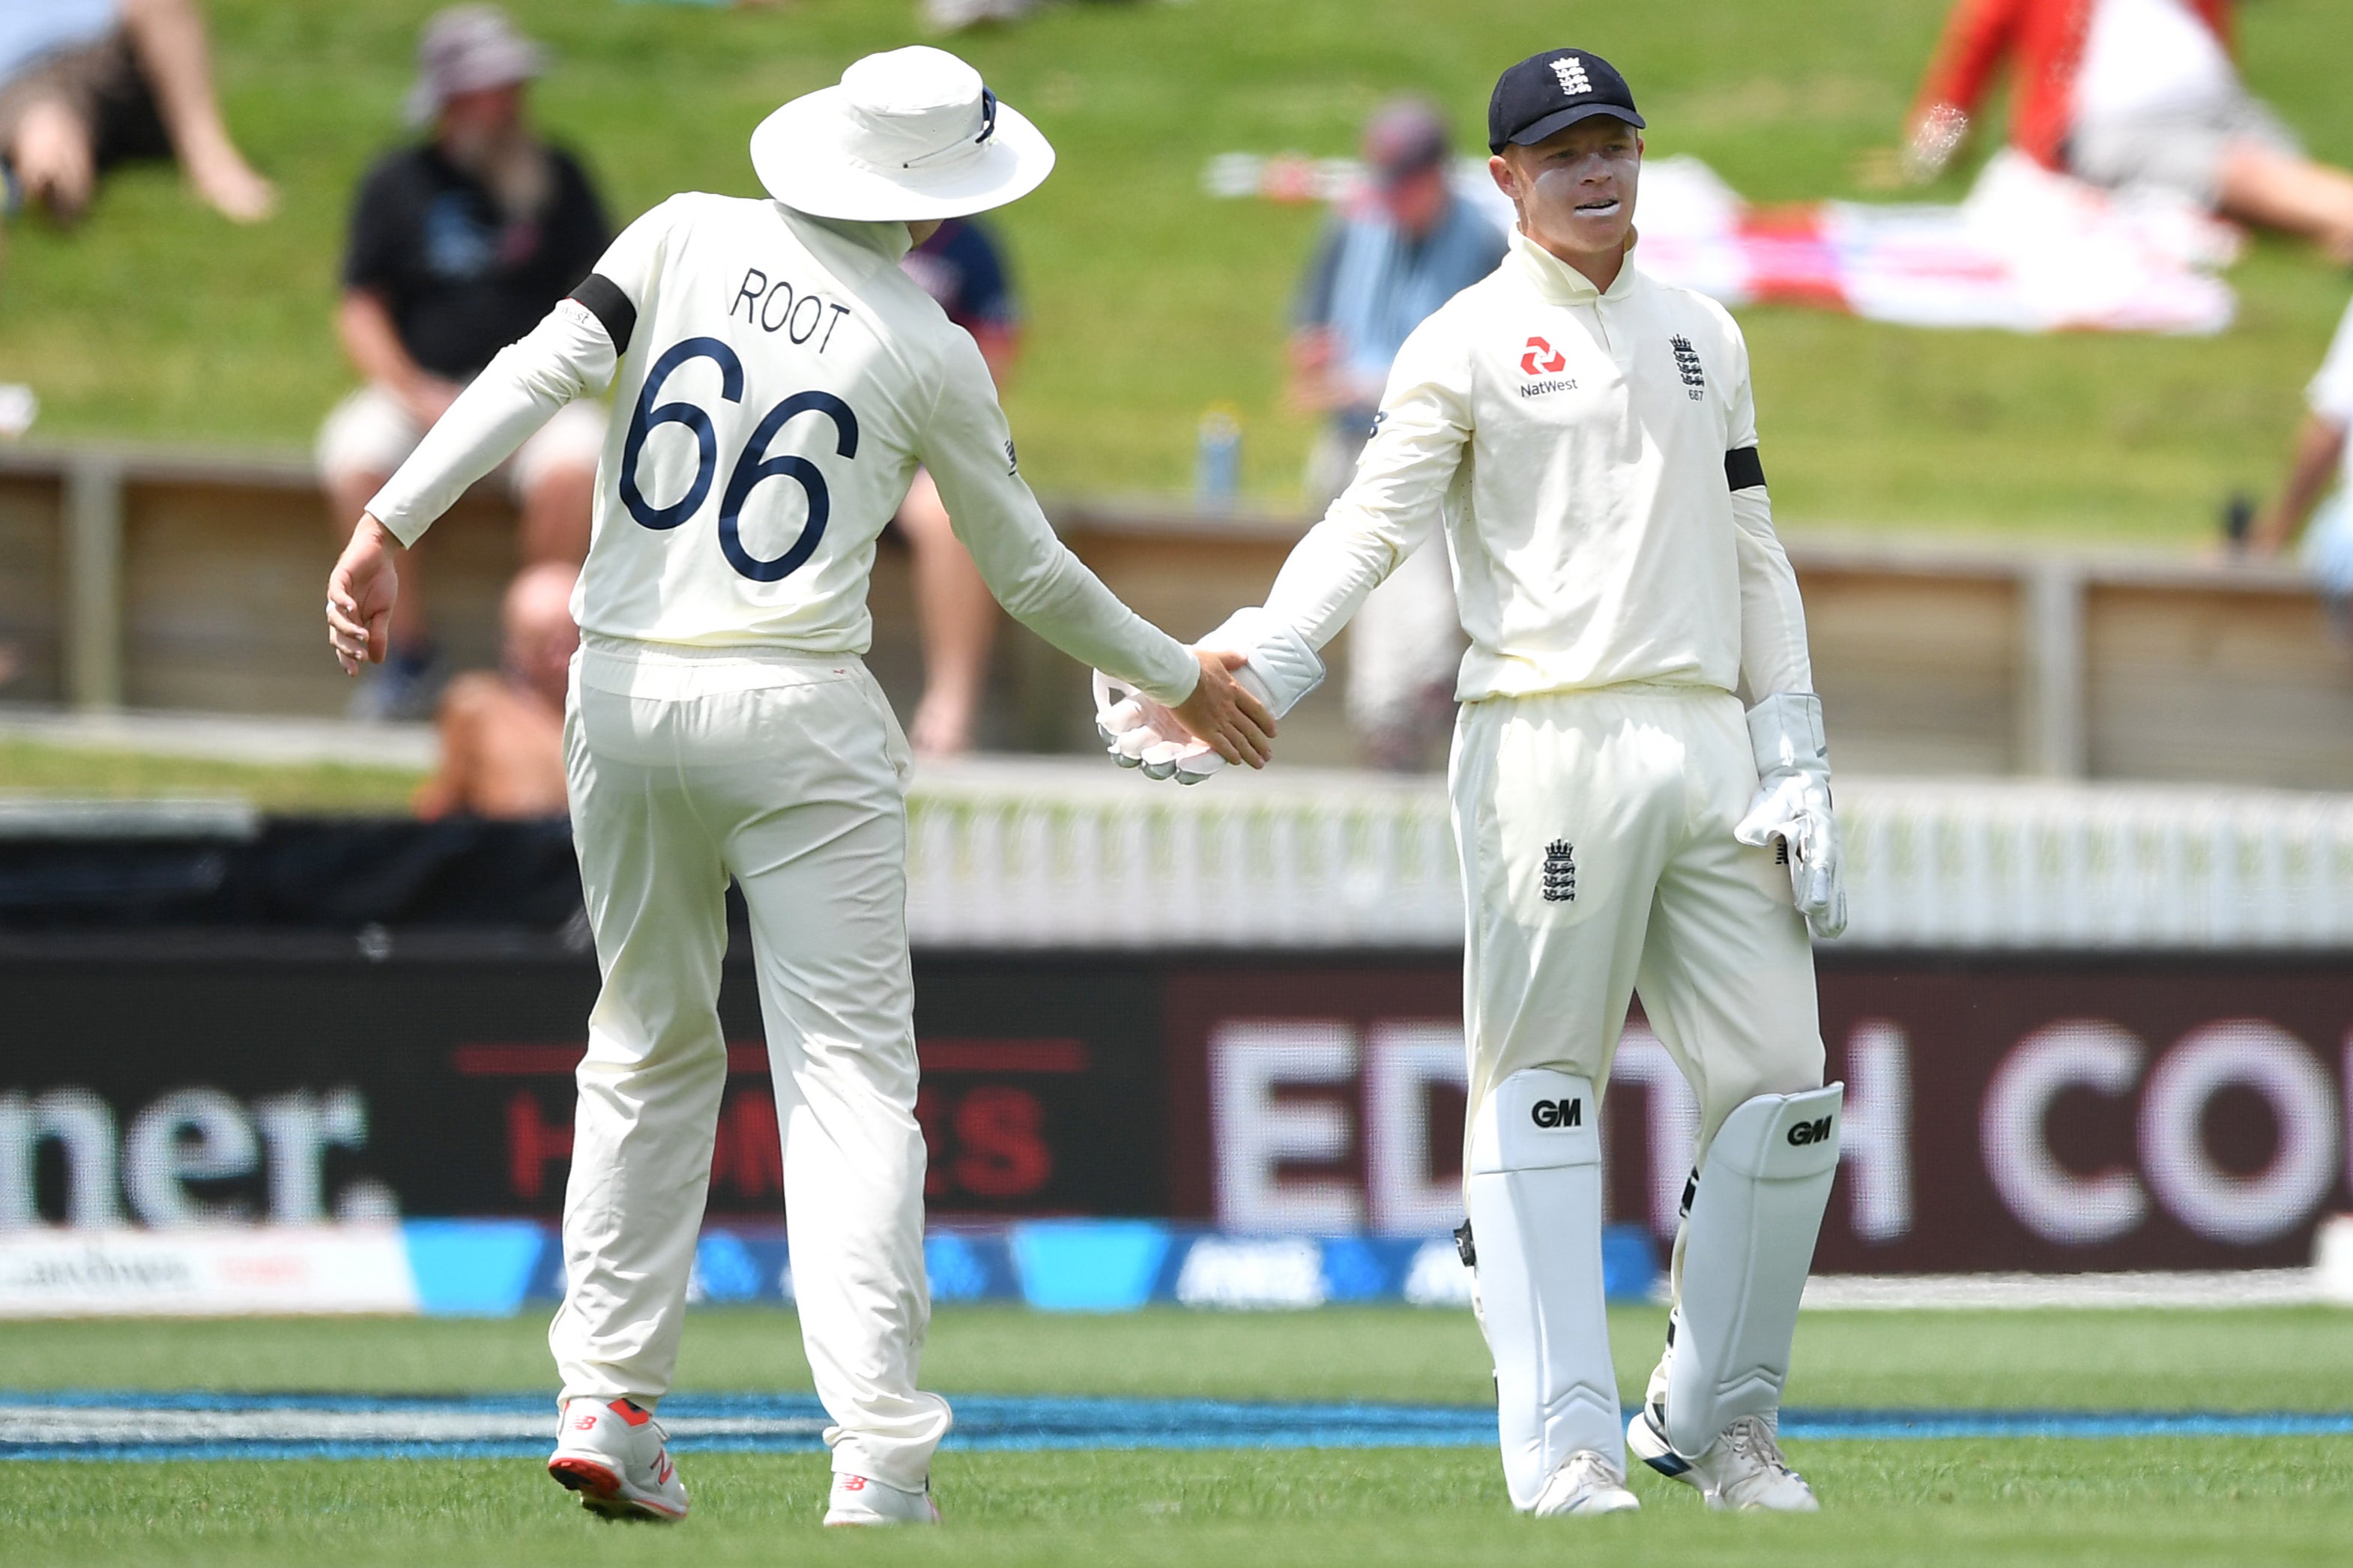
1542	359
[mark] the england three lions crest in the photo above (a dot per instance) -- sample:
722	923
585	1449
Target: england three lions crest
1687	365
1560	872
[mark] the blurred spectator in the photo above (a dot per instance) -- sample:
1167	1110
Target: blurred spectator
87	84
962	268
459	247
503	734
956	16
1406	248
2130	92
2321	453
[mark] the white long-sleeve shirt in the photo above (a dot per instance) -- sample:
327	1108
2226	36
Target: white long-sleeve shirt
776	380
1591	455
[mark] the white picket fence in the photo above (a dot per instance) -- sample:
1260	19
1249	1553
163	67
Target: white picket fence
1079	854
2004	865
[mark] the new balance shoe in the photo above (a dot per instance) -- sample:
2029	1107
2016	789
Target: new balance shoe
1741	1469
862	1500
614	1454
1586	1483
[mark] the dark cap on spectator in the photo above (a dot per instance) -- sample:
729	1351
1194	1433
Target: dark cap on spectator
1547	92
1403	139
464	49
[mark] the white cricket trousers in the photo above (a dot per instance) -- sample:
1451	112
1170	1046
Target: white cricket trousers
787	773
1597	860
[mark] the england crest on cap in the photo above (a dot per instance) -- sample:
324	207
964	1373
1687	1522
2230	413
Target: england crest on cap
1547	92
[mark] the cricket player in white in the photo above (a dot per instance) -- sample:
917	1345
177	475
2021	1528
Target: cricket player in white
1585	436
777	379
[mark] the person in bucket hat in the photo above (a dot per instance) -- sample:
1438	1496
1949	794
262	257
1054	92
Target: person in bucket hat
775	380
458	244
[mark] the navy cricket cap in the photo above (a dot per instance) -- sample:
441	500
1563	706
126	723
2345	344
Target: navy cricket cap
1557	87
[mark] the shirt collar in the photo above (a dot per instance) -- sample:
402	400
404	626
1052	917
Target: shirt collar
889	239
1557	280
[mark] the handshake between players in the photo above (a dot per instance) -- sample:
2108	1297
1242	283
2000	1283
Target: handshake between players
1230	716
1271	666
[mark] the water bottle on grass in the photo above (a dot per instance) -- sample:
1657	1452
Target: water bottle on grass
1217	472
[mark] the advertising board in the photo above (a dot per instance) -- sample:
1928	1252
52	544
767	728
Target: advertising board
2003	1114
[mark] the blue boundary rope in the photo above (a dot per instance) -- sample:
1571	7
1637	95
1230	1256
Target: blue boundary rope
790	1423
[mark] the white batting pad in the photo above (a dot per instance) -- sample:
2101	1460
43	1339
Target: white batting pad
1535	1188
1748	1244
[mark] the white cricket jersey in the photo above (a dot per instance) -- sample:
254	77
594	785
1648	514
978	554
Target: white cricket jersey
2151	59
778	380
1591	455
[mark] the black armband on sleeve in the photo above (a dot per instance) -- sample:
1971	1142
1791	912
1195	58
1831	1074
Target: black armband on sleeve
1743	468
603	299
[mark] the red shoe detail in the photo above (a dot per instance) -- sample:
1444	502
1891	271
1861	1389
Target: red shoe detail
853	1483
630	1413
584	1475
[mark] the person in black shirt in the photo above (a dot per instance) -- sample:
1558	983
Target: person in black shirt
459	247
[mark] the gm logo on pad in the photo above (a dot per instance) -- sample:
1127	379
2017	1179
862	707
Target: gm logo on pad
1549	1113
1806	1133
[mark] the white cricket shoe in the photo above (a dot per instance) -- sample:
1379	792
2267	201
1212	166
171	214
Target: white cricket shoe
613	1454
863	1500
1741	1469
1585	1483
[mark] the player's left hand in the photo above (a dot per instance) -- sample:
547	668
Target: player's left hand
1793	805
360	594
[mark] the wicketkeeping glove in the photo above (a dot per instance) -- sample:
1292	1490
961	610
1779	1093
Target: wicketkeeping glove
1793	805
1140	732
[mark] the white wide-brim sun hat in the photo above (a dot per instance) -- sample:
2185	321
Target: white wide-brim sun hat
912	134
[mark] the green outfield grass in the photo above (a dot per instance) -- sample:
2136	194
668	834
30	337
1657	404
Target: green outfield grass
1149	300
2131	1504
30	767
2271	1359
